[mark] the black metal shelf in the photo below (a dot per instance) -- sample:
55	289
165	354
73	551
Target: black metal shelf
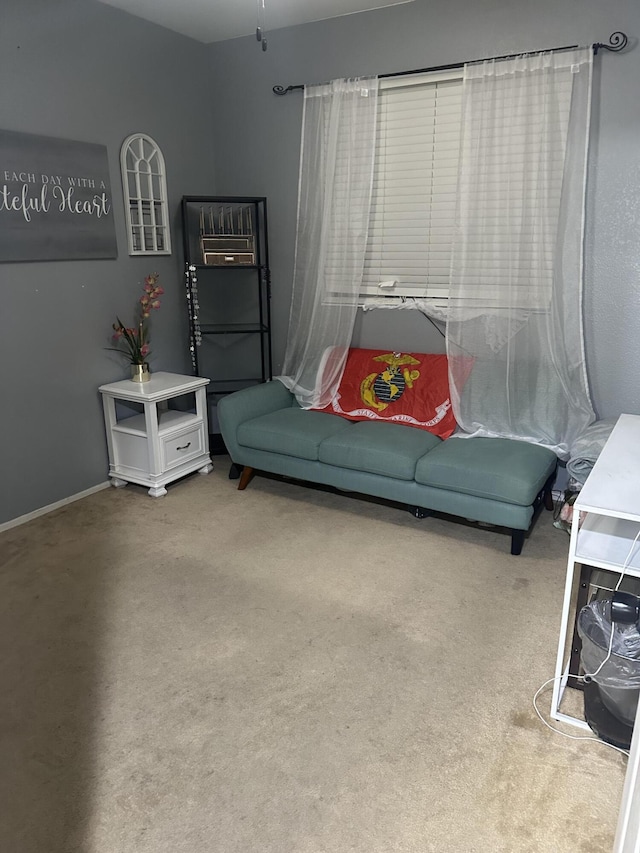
233	329
225	199
220	304
218	267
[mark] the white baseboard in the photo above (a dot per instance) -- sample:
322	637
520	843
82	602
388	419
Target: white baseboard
22	519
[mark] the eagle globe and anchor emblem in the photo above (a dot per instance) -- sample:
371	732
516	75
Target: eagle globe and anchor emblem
379	389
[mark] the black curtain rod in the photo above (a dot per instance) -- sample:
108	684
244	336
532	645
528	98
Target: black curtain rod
617	42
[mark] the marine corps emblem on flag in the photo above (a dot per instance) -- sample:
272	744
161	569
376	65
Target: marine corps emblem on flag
379	389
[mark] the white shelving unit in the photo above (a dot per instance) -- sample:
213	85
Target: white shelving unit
611	500
161	444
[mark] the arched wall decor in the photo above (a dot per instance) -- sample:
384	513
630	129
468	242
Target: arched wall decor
144	185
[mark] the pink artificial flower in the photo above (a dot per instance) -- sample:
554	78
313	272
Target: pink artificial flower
134	340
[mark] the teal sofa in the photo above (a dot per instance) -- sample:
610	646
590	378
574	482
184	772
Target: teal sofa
497	481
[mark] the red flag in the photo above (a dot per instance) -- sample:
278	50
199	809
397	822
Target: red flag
405	388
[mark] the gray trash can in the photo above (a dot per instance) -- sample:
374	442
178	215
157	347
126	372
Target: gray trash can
619	679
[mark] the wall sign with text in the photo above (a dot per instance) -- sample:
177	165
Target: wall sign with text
55	199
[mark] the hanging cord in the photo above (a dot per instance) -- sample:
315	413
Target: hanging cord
588	676
434	324
261	35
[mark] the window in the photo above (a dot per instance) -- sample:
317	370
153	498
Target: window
414	187
145	196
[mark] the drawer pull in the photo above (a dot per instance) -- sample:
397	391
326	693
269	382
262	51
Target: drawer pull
184	447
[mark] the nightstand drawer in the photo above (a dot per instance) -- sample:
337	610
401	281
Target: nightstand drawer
182	446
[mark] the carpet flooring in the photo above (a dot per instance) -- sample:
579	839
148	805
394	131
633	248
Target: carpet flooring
285	670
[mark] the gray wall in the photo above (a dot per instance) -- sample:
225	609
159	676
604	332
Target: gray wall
259	134
80	70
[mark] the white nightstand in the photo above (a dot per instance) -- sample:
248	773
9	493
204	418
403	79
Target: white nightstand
161	444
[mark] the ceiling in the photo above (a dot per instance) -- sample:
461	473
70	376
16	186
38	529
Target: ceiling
218	20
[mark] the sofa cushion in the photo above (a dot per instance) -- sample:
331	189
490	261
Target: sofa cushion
378	448
295	432
499	468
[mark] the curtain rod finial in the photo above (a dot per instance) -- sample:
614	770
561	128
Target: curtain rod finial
617	42
283	90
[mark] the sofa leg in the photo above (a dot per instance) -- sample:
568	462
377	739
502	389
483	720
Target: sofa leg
246	477
235	471
419	512
517	541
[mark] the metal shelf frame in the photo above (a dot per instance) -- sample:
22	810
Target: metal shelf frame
216	218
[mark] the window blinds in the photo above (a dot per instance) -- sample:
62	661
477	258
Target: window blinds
414	186
420	136
511	185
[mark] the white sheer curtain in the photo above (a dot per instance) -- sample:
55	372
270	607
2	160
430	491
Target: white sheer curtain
334	198
514	328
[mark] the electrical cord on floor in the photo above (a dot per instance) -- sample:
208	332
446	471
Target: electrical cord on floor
588	676
565	734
